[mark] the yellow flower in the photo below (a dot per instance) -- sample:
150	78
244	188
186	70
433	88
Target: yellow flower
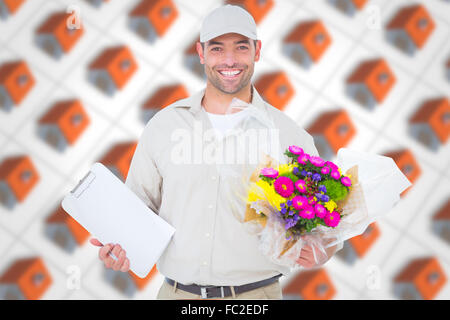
330	205
263	190
283	168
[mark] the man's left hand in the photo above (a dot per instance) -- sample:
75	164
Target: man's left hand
307	260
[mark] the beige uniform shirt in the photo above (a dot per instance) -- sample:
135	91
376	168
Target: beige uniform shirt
210	246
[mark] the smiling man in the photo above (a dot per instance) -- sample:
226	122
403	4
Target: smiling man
211	255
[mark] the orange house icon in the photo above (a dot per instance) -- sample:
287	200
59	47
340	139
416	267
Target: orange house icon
310	285
410	29
422	278
16	81
275	88
257	8
349	7
26	278
18	177
63	124
64	231
55	37
192	62
163	97
307	42
357	247
151	19
127	282
331	131
406	162
118	159
370	83
97	3
9	7
441	222
430	124
448	69
112	69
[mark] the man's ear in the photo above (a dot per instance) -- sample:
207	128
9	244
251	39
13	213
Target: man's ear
200	52
258	50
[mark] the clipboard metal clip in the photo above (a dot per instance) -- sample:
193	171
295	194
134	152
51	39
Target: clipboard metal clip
83	184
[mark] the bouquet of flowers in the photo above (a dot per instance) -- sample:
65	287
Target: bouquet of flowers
303	200
312	202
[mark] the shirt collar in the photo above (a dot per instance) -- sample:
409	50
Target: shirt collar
194	102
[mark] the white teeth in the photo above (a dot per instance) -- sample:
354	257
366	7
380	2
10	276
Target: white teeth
230	73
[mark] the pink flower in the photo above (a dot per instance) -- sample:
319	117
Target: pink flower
300	185
269	172
284	186
320	210
307	213
299	202
311	201
317	161
295	150
303	158
325	170
346	181
335	174
331	165
332	219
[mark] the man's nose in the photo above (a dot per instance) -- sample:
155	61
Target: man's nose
229	58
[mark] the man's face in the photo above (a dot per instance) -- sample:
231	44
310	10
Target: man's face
229	61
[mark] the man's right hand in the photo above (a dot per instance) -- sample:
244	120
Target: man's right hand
122	263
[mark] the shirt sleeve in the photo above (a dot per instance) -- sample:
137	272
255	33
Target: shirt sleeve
143	177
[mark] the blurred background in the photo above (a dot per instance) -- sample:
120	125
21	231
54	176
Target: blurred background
80	79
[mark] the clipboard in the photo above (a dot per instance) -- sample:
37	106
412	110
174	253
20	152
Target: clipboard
112	213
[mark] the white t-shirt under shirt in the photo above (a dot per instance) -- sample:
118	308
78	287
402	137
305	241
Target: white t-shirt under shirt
225	122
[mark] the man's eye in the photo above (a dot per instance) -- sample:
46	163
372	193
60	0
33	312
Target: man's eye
243	47
215	49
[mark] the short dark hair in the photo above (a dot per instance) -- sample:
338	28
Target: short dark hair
203	44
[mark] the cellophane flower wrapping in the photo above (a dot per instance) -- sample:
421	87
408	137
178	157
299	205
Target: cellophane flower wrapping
376	185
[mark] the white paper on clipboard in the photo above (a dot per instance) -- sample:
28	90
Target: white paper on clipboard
113	213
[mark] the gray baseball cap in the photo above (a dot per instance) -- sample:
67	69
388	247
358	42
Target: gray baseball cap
227	19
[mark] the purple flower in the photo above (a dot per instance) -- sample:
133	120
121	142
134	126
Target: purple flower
346	181
295	171
269	172
319	196
322	188
304	173
289	202
316	161
283	211
316	177
284	186
295	150
303	158
325	198
325	170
